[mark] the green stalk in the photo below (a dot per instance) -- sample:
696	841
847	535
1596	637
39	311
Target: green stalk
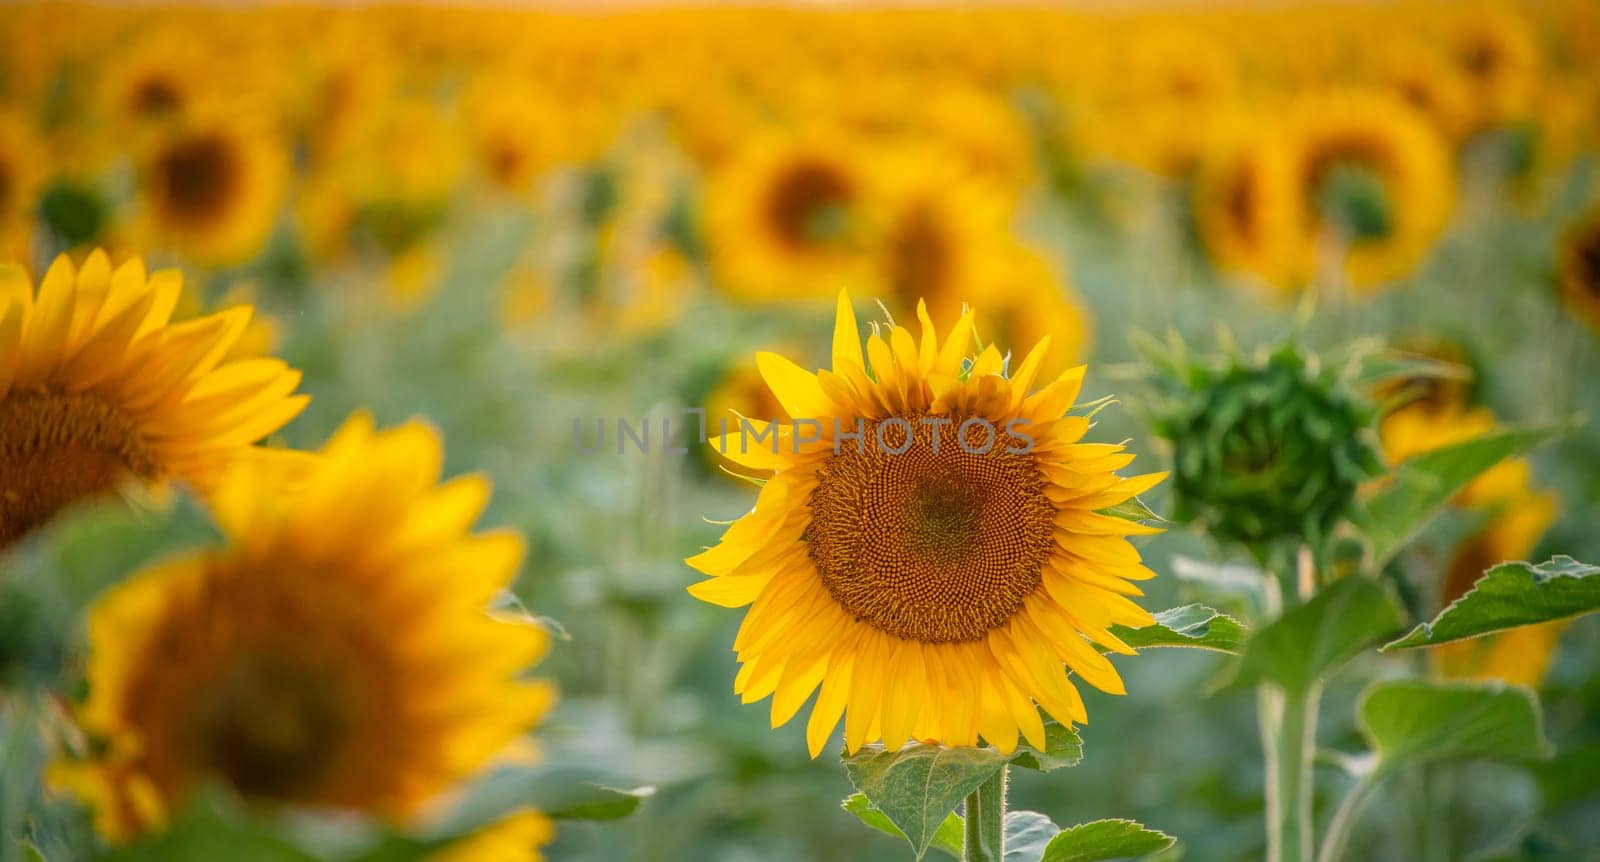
1288	722
1344	820
985	821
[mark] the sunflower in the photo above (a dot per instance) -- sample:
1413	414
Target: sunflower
1578	269
157	79
786	218
21	168
211	188
97	387
511	133
337	652
941	224
1496	51
1244	205
1026	297
930	590
514	839
1372	180
1518	513
739	391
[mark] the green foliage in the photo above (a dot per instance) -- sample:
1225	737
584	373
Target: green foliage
1411	722
1105	839
1421	486
561	793
1511	595
1063	748
1268	451
1312	640
946	839
917	786
1193	626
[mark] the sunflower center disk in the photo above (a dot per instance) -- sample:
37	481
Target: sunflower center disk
809	205
58	449
198	177
270	725
932	546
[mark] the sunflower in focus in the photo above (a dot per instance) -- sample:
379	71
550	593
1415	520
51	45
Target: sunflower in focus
1578	269
738	392
98	388
1372	185
337	652
21	168
786	218
935	577
211	188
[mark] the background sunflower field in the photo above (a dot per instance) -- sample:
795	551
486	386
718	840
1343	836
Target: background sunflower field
521	225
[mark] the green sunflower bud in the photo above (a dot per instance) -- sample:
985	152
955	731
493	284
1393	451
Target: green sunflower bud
1268	451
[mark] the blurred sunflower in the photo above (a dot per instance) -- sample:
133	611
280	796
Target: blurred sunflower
156	79
940	225
337	652
21	169
97	387
1026	297
1578	269
1244	204
935	593
511	134
1497	52
1428	82
1518	513
1372	185
211	188
515	839
786	218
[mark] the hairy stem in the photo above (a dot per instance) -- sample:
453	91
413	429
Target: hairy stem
1344	820
985	824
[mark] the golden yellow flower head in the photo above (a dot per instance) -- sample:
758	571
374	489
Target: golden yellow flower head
1578	269
933	575
97	387
339	651
211	188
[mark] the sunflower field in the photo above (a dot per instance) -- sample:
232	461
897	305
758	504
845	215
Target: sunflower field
789	432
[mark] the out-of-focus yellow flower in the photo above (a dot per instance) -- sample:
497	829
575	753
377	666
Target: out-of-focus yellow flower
941	224
514	839
1244	203
21	171
1497	52
1027	298
515	131
1427	80
211	186
97	387
1373	185
160	77
1518	515
1578	269
338	651
787	218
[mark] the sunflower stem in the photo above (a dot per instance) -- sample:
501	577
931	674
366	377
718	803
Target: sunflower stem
1288	722
985	820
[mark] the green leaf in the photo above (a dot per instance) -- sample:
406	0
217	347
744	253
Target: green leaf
1411	722
1309	641
1511	595
1421	486
1028	833
1194	626
560	792
948	838
918	785
1384	366
210	827
1062	748
1105	839
1132	509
